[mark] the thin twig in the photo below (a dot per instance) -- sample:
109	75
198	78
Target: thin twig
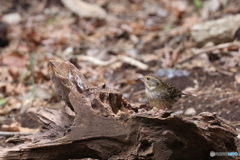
226	99
139	92
224	72
176	53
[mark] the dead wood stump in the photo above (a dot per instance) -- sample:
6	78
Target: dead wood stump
101	125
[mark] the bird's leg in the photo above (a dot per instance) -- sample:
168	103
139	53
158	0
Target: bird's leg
165	110
156	111
162	113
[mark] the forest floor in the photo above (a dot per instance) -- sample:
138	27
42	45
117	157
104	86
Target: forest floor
134	38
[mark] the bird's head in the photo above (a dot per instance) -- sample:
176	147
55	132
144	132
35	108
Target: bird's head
152	82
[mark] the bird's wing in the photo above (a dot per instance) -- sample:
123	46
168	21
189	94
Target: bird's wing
174	93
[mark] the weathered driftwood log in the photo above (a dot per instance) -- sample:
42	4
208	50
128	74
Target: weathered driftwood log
102	125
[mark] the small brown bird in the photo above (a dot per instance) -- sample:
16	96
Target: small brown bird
160	94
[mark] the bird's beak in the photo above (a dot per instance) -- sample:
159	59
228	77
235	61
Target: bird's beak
141	78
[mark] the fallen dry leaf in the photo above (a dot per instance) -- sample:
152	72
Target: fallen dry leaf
14	59
84	9
237	78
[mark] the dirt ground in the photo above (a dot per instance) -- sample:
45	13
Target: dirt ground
149	40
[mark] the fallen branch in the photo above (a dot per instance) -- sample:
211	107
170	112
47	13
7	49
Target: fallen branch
197	52
14	133
227	99
121	58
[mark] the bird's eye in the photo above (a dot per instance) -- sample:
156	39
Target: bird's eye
148	78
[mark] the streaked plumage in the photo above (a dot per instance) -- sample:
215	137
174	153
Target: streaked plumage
160	94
